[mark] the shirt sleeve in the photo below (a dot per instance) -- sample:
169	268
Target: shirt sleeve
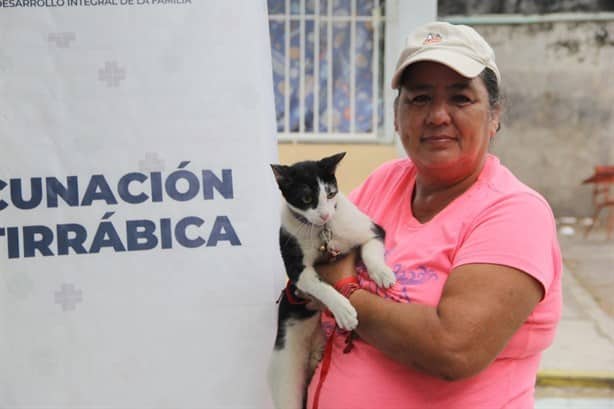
517	231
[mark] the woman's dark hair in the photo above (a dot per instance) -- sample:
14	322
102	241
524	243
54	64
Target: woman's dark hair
492	86
491	83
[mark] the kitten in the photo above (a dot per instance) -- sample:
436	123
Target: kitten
317	223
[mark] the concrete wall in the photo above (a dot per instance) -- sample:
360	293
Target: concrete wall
475	7
559	118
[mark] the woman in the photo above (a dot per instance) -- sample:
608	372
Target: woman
478	266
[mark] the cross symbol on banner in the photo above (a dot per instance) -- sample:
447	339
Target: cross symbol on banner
151	163
68	297
62	40
112	74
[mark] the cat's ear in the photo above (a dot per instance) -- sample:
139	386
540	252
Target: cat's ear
329	164
282	174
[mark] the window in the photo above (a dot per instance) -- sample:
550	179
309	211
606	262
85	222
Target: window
328	69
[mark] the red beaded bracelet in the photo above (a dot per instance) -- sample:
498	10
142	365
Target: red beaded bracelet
347	286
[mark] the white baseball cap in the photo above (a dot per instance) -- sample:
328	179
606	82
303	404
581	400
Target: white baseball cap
457	46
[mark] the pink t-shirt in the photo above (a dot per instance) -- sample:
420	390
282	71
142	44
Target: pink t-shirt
498	220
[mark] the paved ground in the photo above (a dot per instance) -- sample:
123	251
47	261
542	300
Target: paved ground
577	371
591	261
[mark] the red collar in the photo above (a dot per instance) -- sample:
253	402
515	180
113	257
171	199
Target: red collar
291	297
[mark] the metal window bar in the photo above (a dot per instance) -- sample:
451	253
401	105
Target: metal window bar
286	89
353	69
316	69
375	62
323	128
329	64
301	83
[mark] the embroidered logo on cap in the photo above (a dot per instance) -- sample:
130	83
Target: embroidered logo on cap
432	38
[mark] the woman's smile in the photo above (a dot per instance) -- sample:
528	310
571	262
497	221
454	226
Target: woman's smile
438	140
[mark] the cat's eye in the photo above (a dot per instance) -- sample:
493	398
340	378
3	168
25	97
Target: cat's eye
331	194
306	199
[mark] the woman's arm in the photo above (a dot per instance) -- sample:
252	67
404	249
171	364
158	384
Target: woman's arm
475	318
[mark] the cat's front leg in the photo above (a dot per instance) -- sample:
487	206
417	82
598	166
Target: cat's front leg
339	306
372	253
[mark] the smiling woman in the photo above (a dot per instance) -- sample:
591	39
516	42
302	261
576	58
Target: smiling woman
445	123
472	334
445	119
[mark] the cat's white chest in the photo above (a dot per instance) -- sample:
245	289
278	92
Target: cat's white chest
325	246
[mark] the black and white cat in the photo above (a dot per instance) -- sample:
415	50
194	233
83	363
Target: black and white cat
317	223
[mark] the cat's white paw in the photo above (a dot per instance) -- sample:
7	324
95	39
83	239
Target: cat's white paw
345	314
382	275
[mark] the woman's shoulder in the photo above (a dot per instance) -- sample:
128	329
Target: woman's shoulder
385	179
388	172
504	185
394	168
394	165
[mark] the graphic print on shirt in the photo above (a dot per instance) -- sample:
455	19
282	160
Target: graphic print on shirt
406	278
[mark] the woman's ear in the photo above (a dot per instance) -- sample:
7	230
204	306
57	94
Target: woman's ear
395	108
495	121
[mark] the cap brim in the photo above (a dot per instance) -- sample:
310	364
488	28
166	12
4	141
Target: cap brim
465	66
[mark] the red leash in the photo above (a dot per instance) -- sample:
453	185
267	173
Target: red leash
327	359
292	299
328	352
346	287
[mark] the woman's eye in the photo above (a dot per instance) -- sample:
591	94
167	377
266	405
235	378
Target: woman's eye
331	194
461	99
420	99
306	199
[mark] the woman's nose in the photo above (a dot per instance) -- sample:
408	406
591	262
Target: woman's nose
438	114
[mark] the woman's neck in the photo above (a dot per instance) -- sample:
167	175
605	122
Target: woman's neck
435	190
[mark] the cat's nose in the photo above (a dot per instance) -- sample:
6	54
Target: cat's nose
325	217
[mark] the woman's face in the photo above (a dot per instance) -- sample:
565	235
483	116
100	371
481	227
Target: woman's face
444	120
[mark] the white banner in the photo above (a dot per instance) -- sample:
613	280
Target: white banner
138	214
